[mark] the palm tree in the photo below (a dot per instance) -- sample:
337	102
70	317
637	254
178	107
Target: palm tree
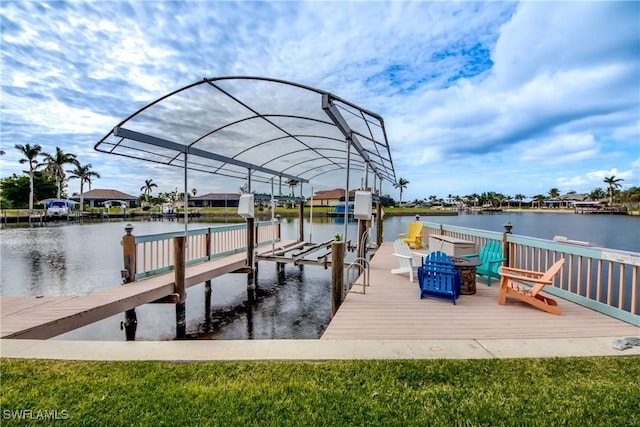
148	187
54	166
84	174
30	154
401	184
539	199
613	183
519	197
475	197
554	194
597	194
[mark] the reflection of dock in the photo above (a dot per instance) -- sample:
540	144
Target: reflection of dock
337	215
46	317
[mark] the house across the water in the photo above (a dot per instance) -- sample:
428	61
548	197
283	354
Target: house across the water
101	198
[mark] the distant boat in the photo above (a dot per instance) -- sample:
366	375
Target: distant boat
490	208
58	208
339	209
564	239
587	207
169	210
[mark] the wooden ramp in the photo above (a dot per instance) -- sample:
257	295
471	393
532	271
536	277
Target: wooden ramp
392	309
46	317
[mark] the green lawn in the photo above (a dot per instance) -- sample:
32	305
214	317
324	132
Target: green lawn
545	392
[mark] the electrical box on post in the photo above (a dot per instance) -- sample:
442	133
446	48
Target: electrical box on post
362	205
245	206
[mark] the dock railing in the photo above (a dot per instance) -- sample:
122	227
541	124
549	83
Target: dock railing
154	252
605	280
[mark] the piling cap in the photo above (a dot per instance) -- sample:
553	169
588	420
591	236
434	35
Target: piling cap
128	228
508	226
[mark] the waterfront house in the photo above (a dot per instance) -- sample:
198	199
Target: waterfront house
333	197
215	200
326	197
98	198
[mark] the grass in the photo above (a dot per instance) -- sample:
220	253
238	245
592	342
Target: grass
545	392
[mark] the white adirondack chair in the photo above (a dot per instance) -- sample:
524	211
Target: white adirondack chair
408	263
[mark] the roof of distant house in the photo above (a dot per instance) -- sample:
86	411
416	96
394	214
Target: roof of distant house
334	194
216	196
575	196
102	194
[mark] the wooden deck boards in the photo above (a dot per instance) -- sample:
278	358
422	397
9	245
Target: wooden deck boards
392	309
46	317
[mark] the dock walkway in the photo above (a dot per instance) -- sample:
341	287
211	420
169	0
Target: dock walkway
45	317
391	309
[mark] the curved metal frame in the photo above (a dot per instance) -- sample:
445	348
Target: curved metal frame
165	148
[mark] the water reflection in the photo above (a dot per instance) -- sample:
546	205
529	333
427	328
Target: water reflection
293	304
36	261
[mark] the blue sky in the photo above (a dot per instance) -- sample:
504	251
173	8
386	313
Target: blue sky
490	96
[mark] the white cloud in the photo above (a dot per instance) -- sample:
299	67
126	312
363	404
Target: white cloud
476	96
594	179
544	38
562	150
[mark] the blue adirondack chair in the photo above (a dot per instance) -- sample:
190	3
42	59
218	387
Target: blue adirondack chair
491	258
438	277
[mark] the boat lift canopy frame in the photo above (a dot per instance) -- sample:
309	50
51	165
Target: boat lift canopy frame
256	128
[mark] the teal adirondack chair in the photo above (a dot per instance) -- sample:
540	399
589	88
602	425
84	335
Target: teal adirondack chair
491	257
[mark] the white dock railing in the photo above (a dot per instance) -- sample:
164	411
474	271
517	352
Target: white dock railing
154	252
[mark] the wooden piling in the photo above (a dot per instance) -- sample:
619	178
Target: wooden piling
251	245
250	242
207	300
130	323
179	288
337	275
505	244
301	223
379	224
207	284
280	271
362	228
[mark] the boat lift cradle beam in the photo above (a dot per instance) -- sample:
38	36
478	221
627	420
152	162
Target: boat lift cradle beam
121	132
341	123
299	257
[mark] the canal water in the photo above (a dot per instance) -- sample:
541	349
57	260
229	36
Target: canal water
78	259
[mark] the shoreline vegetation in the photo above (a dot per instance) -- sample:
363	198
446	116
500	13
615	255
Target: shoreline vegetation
552	391
13	214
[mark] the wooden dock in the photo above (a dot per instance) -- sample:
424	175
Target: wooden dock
45	317
391	309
